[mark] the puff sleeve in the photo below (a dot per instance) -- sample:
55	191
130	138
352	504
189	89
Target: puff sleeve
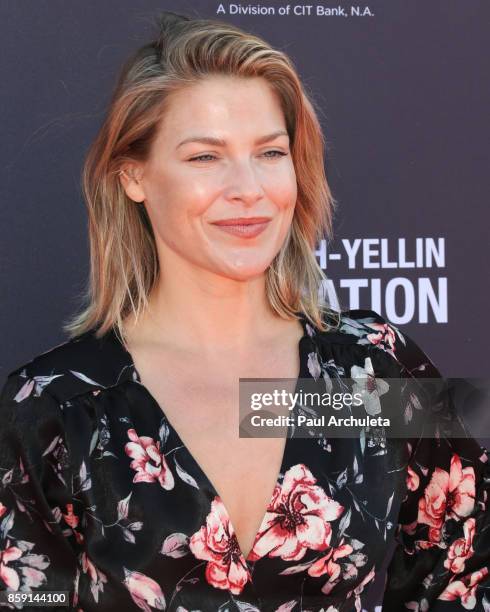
442	556
38	529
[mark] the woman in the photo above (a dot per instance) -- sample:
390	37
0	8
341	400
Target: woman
124	480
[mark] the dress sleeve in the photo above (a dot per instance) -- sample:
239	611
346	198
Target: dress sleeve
38	530
441	561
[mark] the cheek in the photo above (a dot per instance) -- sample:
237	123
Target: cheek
286	190
285	198
174	203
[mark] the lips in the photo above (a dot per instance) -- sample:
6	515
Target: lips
242	221
243	227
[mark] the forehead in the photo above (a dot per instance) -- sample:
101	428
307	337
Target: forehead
222	103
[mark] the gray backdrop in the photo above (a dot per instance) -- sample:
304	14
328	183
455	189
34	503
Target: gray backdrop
404	94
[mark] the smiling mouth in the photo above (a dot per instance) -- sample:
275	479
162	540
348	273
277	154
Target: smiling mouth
244	228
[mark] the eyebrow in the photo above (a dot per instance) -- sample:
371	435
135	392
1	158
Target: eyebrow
221	143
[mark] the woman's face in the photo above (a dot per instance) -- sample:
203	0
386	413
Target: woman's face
191	181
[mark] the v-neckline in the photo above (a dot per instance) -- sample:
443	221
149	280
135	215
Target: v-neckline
134	377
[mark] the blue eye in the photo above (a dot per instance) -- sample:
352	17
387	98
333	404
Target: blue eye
208	155
280	153
199	157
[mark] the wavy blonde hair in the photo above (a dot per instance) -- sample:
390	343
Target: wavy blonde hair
123	256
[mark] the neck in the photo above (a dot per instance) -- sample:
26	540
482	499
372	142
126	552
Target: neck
206	310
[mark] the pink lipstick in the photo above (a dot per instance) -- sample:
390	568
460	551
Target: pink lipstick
245	227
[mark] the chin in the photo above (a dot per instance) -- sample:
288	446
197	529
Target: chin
243	271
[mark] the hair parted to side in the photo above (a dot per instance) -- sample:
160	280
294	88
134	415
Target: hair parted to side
123	256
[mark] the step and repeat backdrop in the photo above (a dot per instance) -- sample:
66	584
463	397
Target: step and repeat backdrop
402	91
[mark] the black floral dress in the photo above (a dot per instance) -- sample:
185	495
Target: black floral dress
100	498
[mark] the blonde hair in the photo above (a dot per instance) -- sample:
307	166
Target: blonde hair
123	256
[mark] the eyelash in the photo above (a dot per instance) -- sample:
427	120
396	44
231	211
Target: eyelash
198	157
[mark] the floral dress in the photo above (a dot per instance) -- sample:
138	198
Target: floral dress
100	498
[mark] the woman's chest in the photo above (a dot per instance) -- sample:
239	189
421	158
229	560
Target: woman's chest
204	418
148	507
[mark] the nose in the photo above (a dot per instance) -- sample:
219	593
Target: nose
244	183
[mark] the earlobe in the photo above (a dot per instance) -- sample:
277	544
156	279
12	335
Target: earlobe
131	185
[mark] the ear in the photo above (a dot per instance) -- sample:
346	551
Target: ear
130	177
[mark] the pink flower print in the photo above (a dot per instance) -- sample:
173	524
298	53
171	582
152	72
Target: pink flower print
384	336
368	386
27	573
146	593
461	549
97	577
289	605
3	509
150	464
447	496
465	589
70	518
216	543
412	480
327	565
297	518
360	588
8	574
